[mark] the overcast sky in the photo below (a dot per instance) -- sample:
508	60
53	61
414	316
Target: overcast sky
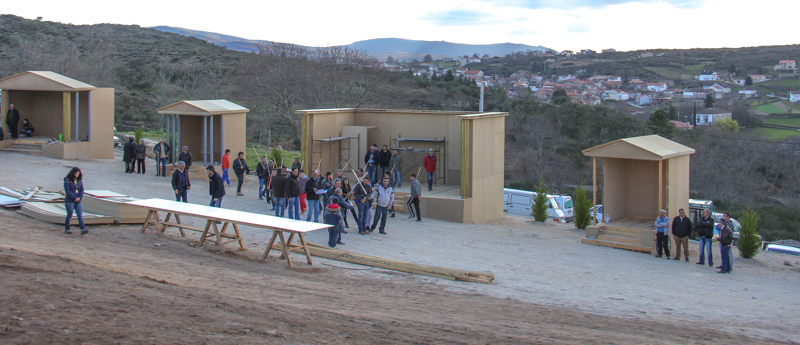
565	24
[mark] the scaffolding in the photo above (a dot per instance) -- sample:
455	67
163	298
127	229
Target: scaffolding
343	153
401	145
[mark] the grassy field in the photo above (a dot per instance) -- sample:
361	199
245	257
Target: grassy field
668	72
694	70
792	105
773	134
791	121
770	108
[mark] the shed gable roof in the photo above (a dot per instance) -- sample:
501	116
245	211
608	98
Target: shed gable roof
203	108
43	81
648	147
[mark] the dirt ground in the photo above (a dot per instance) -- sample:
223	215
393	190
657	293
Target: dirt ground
116	285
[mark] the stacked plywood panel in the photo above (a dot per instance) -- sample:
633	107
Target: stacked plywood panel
10	202
403	266
57	213
116	207
32	194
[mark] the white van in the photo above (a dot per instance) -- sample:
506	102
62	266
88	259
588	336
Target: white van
778	248
566	205
520	203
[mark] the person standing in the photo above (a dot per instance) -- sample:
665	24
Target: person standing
27	129
293	195
226	164
216	188
362	193
141	154
726	243
384	196
347	191
396	167
344	206
413	198
333	216
386	158
705	230
662	236
73	189
302	179
129	155
180	182
681	229
12	120
326	185
240	168
186	156
372	160
296	164
430	167
278	186
310	190
162	152
262	171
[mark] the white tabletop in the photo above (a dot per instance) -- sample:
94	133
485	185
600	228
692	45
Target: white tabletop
227	215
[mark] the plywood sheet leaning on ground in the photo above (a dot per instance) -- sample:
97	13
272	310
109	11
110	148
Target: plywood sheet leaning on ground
402	266
57	213
32	194
10	202
116	207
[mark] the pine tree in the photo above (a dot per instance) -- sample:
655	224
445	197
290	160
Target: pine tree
540	203
583	214
659	124
748	234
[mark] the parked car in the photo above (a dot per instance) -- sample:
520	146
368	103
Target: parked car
779	248
520	203
566	205
116	138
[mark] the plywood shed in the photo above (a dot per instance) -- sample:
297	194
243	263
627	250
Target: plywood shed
207	127
641	175
58	105
469	187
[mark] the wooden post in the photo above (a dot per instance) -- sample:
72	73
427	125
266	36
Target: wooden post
594	190
67	116
465	159
4	102
660	185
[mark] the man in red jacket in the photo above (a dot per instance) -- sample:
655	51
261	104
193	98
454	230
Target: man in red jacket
430	167
226	164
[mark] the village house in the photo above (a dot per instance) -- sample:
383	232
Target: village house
609	50
748	92
473	74
758	78
474	59
567	53
681	125
656	87
694	93
794	96
588	51
646	55
644	99
708	116
707	75
716	87
786	65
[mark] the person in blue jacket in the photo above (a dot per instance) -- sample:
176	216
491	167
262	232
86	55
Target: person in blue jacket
73	187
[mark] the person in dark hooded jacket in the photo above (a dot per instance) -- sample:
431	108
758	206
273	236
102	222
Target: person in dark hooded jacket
73	190
129	155
333	216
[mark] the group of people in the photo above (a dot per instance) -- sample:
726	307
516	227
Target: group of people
681	230
134	156
12	121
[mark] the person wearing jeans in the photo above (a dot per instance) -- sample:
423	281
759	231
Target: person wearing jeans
372	161
180	182
705	230
73	189
162	151
662	236
278	185
362	193
312	198
726	242
280	206
396	166
226	164
430	167
293	195
384	196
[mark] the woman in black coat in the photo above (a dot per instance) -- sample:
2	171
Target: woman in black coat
129	155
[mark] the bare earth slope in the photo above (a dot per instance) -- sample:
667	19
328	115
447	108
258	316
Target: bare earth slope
116	285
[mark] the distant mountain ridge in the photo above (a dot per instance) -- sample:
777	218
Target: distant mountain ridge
398	48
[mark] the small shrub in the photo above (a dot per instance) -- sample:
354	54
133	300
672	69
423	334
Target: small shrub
540	203
583	208
138	133
748	234
276	155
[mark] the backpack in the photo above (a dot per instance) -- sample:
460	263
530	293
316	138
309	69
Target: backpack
331	218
